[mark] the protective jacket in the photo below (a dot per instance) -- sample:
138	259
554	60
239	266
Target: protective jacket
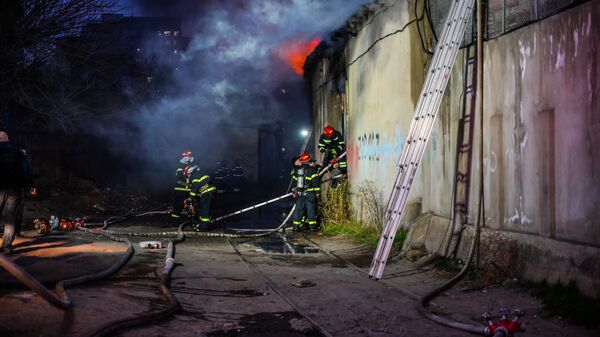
305	180
200	184
200	191
333	145
306	184
182	183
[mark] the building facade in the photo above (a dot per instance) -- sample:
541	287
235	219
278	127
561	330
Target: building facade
541	133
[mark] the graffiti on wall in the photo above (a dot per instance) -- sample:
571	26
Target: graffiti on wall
369	147
376	147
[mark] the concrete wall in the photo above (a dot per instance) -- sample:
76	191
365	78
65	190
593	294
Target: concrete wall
380	94
541	134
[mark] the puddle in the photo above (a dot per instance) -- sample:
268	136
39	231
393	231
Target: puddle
278	243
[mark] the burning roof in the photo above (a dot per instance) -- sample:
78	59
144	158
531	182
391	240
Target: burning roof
295	52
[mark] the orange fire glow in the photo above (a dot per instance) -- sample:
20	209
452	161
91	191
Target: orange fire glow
294	53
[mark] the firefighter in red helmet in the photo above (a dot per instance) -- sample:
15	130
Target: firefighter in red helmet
306	185
332	146
182	186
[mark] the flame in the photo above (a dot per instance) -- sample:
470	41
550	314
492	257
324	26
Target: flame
294	53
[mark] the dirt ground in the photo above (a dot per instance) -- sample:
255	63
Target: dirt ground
267	291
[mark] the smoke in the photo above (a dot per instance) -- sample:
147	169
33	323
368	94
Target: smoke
233	77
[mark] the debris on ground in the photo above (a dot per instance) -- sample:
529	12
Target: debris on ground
304	284
151	244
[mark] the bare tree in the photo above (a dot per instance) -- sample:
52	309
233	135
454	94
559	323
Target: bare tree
31	73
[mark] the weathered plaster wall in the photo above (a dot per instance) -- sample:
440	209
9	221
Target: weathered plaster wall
542	126
381	94
384	80
541	135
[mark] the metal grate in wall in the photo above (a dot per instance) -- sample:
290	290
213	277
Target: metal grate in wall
503	16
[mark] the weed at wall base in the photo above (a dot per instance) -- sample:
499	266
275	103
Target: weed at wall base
338	219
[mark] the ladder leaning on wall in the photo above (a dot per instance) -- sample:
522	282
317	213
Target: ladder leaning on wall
464	151
421	126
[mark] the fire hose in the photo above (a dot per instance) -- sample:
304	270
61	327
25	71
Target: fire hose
423	303
205	234
61	299
120	218
164	287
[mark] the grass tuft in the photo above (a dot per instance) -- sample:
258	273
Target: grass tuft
568	302
339	220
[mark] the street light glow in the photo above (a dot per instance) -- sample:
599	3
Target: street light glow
304	133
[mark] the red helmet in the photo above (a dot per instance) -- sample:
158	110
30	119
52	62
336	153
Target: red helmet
186	153
328	131
304	158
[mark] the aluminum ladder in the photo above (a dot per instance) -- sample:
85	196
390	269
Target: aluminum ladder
421	125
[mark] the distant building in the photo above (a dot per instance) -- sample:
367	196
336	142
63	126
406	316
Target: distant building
130	35
132	54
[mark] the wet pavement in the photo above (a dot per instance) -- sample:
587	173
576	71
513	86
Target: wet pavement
226	294
281	243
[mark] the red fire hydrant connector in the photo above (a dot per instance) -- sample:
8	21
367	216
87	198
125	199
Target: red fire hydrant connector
505	327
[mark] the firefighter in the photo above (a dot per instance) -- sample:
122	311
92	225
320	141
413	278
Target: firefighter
201	191
182	188
14	178
332	145
305	186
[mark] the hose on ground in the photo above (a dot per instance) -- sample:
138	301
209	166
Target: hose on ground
120	218
208	234
423	303
112	269
61	299
33	284
164	287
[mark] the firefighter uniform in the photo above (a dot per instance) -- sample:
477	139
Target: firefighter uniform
306	185
201	191
182	190
332	145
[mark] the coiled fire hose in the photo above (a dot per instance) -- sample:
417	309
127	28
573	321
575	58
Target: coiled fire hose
61	299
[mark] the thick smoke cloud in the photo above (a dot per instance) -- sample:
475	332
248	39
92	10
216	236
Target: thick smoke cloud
231	74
